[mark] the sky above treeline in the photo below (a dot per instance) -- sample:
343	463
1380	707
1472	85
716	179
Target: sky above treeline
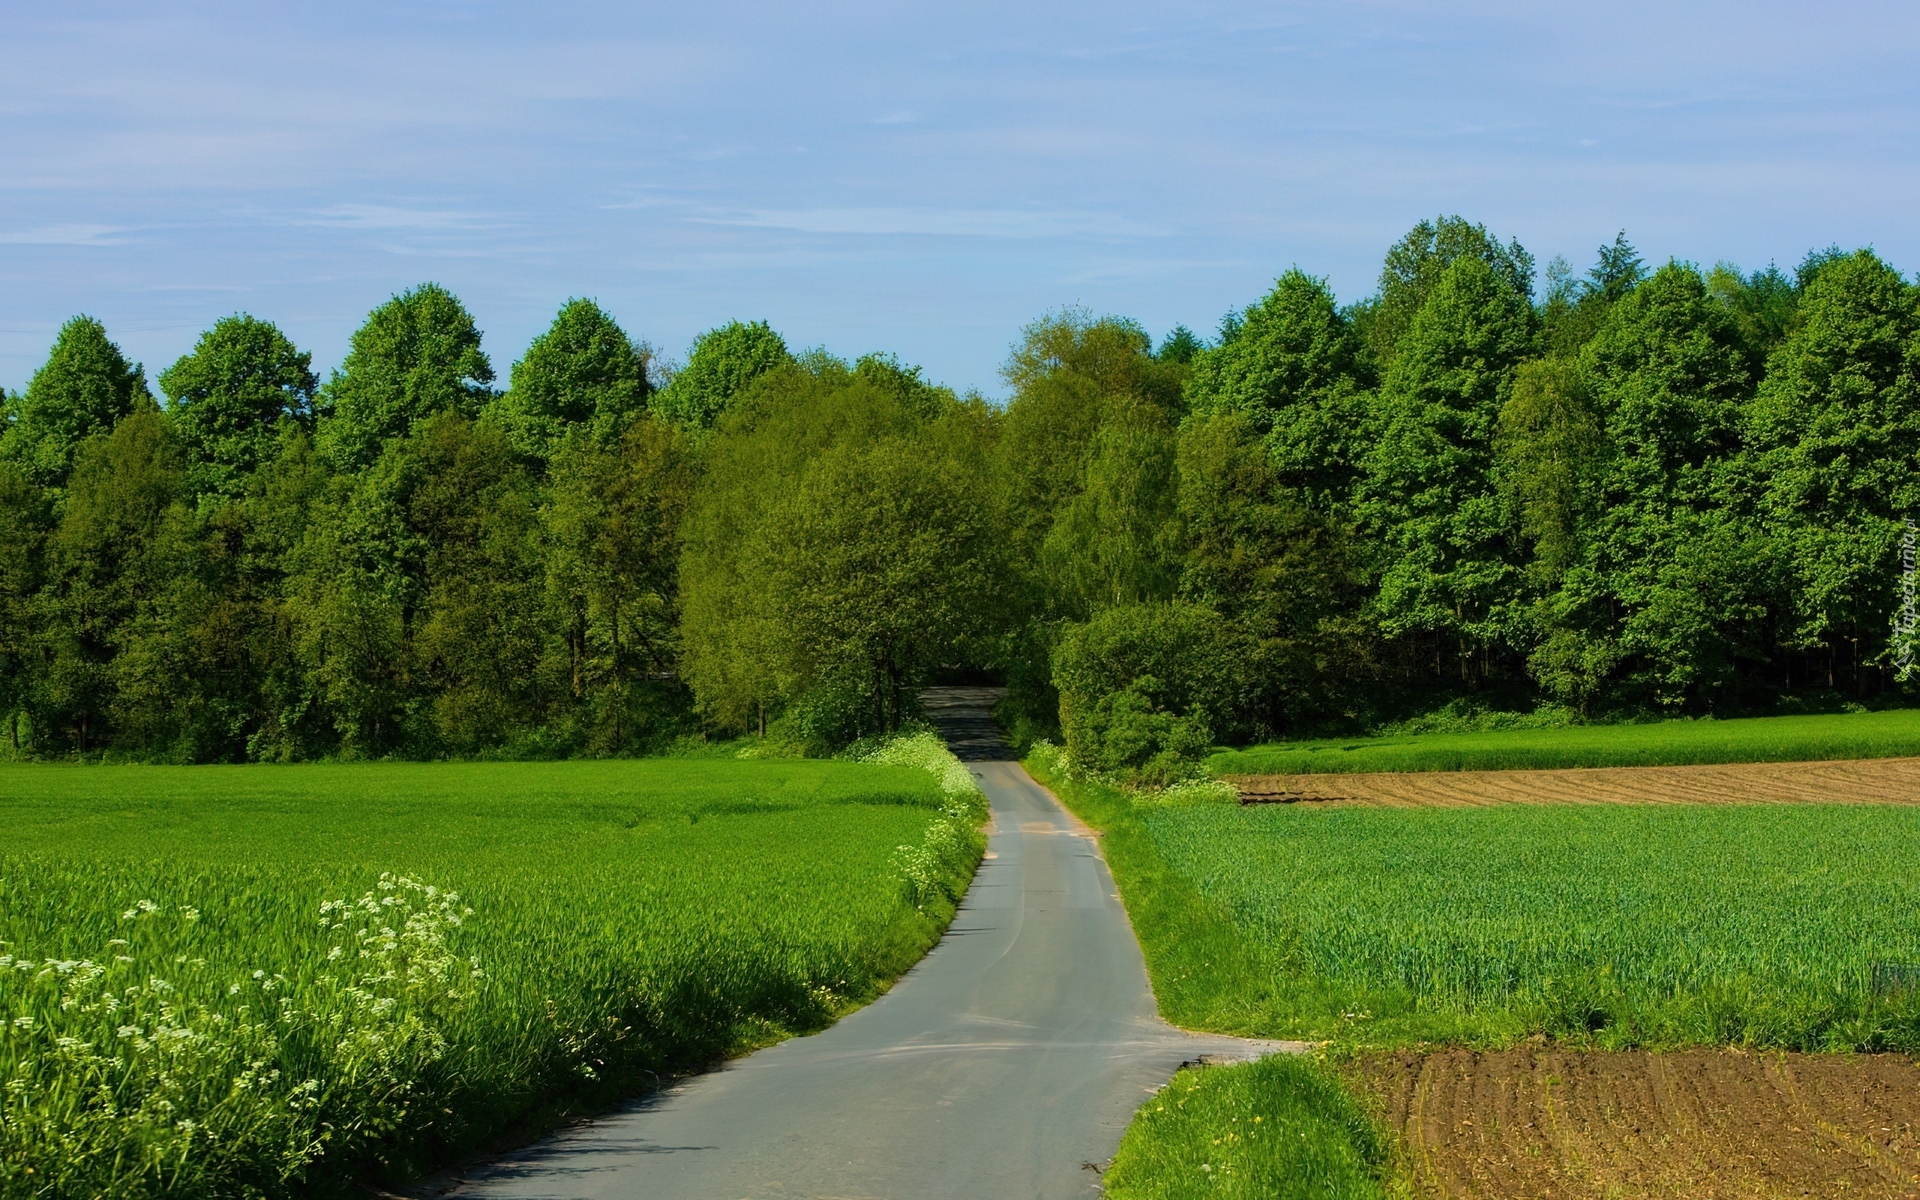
919	178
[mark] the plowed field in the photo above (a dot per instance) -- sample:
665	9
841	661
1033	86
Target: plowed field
1856	781
1540	1122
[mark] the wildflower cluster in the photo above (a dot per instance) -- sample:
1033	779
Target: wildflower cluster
943	861
149	1070
1058	764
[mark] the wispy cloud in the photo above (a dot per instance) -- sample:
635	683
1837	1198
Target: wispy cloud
66	235
388	216
938	222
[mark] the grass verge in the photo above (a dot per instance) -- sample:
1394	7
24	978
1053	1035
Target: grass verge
1889	734
1284	1128
277	981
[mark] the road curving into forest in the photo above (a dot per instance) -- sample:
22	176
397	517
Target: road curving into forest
1005	1065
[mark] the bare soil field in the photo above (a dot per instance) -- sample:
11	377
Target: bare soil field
1855	781
1541	1122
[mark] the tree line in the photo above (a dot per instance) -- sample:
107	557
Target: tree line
1628	493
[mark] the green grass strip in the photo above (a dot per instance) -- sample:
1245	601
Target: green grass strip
1277	1129
1664	744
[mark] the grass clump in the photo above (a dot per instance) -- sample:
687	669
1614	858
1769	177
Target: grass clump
278	981
1660	744
1280	1128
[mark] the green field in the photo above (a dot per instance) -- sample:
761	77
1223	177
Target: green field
1608	926
1660	744
180	1016
1634	925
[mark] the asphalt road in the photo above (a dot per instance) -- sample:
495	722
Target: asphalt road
1002	1067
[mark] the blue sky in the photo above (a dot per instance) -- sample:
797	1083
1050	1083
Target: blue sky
920	178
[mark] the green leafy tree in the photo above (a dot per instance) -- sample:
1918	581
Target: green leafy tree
1298	371
1145	688
117	548
1577	308
1762	305
840	544
612	522
1281	573
23	533
724	362
1181	345
1443	534
1414	266
231	398
84	388
1836	427
585	373
1684	581
418	355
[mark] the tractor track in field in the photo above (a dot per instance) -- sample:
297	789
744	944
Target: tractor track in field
1847	781
1535	1123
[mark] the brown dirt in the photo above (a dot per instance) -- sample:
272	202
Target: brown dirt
1858	781
1542	1122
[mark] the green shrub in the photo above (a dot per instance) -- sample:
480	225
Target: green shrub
1145	688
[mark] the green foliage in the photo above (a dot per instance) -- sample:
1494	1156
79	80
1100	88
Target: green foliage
1655	744
230	398
723	364
611	555
417	356
1145	688
1413	269
179	1023
1835	426
1295	369
1277	1129
1678	585
582	373
842	538
1281	573
1443	533
85	386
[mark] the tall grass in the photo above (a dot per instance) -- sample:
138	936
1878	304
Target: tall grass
1662	744
270	981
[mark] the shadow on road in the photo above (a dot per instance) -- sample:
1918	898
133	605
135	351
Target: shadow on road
964	717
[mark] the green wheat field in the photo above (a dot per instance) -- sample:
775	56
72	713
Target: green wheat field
273	980
1655	744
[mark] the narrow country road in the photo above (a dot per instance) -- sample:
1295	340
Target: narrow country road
1000	1068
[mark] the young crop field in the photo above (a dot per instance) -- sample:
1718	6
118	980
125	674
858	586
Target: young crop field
225	981
1631	925
1566	941
1660	744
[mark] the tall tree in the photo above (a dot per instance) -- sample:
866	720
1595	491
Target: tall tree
1414	266
417	355
841	542
1836	426
583	372
230	399
85	386
1682	573
23	534
1297	370
1443	534
113	555
724	362
612	520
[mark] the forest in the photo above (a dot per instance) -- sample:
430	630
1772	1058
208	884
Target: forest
1485	495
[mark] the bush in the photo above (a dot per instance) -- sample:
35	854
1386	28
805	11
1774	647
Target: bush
1146	688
